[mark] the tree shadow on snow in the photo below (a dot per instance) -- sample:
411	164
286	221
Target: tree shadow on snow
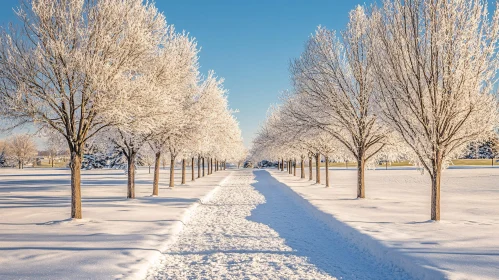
319	237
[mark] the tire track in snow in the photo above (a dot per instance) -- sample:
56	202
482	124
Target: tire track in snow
229	237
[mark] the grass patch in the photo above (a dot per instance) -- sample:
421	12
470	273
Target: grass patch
457	162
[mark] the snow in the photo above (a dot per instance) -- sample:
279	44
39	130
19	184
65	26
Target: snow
251	224
118	238
393	223
253	229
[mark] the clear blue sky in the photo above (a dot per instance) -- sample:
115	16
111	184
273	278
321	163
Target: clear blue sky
249	43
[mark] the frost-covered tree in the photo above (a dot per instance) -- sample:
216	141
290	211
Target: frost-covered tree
484	149
148	157
3	154
334	77
67	64
435	64
176	79
55	145
21	149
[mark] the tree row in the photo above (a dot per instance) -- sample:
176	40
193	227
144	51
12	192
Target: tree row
405	79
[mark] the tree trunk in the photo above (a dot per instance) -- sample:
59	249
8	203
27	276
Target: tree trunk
155	184
294	167
318	168
435	189
211	163
326	158
199	166
131	175
302	168
75	166
282	164
361	189
192	169
310	172
183	171
203	166
278	165
52	163
172	171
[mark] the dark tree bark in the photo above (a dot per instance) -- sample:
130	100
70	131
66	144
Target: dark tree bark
172	171
199	166
131	173
192	169
310	173
183	171
75	166
361	190
327	171
318	168
302	168
203	166
155	184
435	186
294	167
282	164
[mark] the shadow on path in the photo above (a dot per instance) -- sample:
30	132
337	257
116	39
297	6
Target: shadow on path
312	238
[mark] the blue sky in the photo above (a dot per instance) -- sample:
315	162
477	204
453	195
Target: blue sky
249	43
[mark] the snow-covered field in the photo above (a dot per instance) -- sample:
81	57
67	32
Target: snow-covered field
117	237
257	225
393	221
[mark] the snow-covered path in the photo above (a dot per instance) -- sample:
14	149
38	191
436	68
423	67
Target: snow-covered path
253	229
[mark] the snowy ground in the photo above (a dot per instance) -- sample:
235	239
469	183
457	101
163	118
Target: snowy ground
256	225
253	229
117	237
393	221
